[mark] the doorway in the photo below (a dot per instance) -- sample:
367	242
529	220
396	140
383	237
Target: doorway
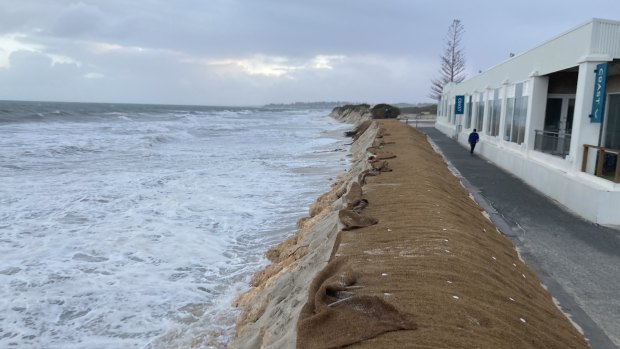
559	113
555	138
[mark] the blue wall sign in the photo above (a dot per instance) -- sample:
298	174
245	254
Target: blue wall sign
600	91
459	105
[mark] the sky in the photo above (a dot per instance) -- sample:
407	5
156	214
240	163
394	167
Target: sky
254	52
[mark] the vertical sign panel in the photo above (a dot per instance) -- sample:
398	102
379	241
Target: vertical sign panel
459	105
600	87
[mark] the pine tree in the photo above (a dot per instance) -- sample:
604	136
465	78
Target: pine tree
452	61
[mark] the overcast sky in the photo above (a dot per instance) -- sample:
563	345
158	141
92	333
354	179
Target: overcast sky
252	52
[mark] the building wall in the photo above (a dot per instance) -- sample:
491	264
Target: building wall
564	65
595	40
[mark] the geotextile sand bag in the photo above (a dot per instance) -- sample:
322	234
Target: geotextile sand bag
336	316
353	220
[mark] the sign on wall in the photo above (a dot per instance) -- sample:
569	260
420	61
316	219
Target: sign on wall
459	105
600	87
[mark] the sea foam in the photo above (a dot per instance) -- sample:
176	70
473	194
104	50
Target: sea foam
132	228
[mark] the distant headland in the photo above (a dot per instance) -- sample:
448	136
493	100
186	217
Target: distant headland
306	105
405	108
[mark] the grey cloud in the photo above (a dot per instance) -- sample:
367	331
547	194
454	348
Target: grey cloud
33	74
236	27
78	19
406	35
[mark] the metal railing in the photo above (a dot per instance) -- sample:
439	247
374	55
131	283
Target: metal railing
606	164
552	142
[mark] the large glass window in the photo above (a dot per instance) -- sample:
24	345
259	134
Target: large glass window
516	114
510	107
475	112
468	113
518	128
451	113
480	112
494	114
440	107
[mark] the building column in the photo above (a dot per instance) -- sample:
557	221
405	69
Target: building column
584	131
537	107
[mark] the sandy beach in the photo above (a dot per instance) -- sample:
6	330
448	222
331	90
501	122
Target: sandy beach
398	255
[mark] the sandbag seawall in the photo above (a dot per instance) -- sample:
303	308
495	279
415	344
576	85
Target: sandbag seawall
431	272
271	308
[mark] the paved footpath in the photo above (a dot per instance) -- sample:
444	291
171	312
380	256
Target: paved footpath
578	261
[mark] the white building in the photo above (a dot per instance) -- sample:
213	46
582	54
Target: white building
539	117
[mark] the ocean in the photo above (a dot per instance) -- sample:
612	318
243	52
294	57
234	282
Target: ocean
135	226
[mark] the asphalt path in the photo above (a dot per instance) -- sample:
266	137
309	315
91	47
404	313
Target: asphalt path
576	260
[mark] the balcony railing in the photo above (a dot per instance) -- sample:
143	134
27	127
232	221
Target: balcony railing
552	142
605	164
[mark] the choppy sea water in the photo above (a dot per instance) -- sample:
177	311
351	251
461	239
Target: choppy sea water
134	226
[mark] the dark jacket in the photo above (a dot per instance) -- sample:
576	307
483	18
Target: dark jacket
473	138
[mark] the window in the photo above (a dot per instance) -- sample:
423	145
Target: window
439	103
475	113
510	109
439	107
452	114
480	112
442	106
494	114
468	113
516	114
612	127
520	115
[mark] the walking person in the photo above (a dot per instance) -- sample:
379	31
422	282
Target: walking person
473	139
